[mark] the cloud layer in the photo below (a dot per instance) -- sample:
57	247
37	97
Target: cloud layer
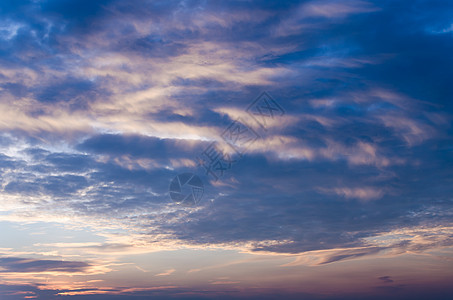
103	103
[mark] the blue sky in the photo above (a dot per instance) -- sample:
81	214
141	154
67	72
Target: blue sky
345	195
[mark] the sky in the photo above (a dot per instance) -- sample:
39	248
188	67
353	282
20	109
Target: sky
226	149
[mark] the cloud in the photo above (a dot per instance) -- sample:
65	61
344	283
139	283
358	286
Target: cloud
348	254
386	279
103	103
166	273
362	193
411	131
311	15
24	265
332	9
